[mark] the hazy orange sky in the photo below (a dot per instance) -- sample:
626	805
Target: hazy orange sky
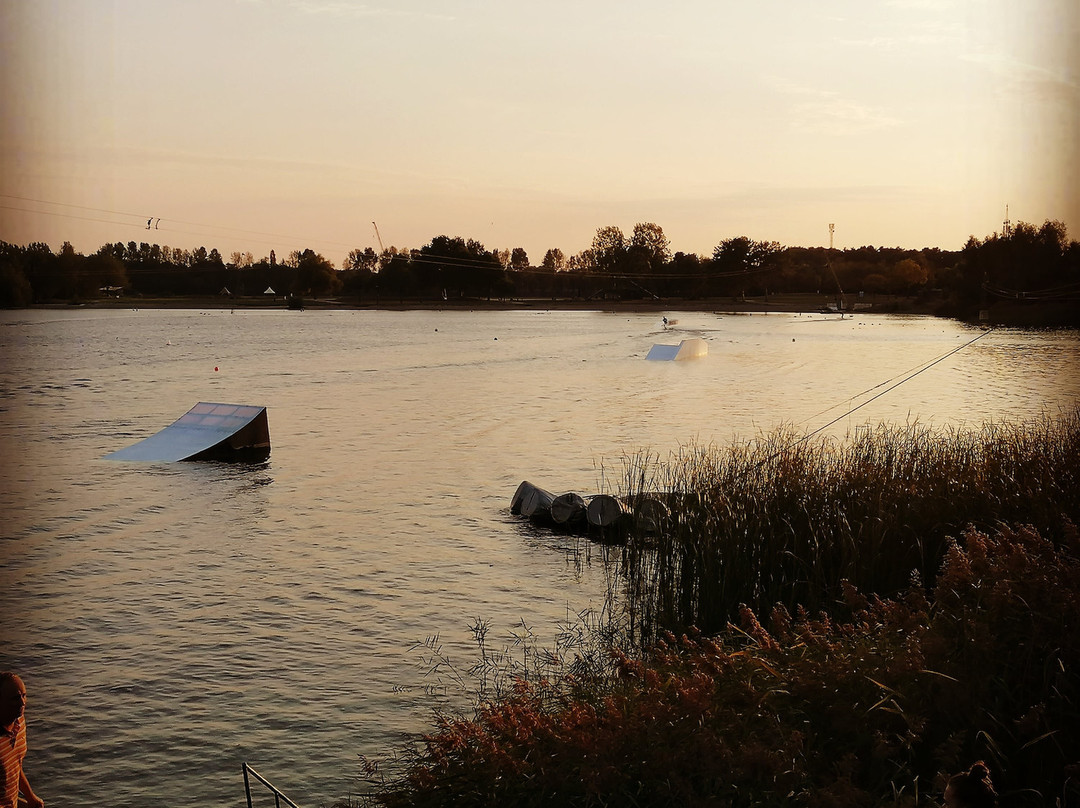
284	124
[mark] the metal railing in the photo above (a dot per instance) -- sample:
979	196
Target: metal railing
279	798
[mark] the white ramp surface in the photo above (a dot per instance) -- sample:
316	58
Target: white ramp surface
687	349
206	431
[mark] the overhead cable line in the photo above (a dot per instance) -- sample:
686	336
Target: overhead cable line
140	220
889	389
65	215
909	373
137	216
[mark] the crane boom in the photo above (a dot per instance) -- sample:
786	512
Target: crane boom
382	249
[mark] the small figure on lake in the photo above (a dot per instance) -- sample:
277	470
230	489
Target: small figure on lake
13	744
971	789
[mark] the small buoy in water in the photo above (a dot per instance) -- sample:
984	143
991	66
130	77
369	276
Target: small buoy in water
215	368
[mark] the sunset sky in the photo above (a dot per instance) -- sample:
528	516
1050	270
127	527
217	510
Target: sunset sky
254	125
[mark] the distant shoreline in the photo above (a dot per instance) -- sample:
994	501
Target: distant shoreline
1021	314
779	303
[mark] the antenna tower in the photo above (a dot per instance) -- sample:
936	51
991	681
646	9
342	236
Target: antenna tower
832	229
1006	226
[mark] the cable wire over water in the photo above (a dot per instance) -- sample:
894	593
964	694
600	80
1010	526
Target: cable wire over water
904	377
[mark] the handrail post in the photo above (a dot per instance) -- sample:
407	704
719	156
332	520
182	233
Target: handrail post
247	785
278	796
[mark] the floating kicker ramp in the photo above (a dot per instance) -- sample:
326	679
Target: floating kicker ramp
687	349
229	432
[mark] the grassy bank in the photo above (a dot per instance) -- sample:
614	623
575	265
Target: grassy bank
818	623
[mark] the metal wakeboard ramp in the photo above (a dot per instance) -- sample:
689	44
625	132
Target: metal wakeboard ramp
229	432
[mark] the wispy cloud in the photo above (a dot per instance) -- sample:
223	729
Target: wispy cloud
834	115
1027	79
912	31
830	113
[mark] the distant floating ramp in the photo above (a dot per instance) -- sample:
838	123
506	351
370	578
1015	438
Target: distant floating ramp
687	349
227	432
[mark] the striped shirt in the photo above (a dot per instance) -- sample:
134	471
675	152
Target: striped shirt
12	752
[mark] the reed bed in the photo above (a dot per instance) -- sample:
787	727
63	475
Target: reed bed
800	710
787	519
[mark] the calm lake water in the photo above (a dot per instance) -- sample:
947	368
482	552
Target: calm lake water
174	620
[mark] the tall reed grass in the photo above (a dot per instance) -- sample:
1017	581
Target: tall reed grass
800	710
786	519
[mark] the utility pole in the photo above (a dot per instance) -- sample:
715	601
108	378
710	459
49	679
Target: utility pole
828	263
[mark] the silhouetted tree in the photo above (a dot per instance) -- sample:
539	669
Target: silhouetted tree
15	288
396	277
684	274
459	266
1027	264
315	275
361	259
554	259
584	261
648	242
519	259
740	262
103	269
42	271
609	248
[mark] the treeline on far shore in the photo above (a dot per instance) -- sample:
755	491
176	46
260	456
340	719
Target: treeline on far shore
1031	267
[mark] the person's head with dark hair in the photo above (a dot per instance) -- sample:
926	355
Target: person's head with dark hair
971	789
12	699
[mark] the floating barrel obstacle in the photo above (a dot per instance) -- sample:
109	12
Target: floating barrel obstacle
569	511
603	516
